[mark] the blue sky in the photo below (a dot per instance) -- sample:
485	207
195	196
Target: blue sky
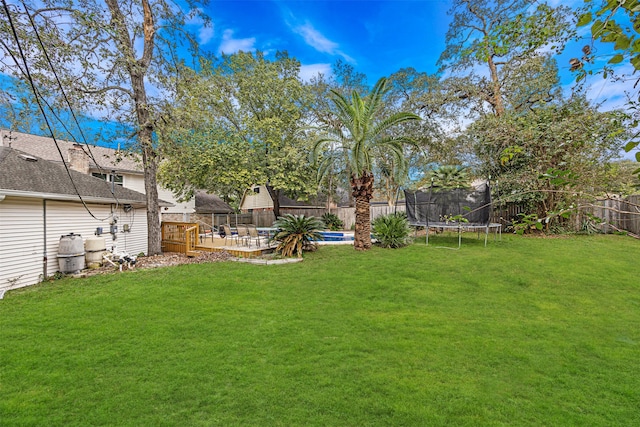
376	37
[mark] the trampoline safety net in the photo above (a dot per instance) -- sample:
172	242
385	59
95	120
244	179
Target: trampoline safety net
434	207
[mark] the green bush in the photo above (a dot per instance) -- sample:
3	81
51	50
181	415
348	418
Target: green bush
297	233
391	231
527	223
332	222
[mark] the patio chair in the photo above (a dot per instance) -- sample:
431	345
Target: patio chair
254	235
228	235
243	234
205	231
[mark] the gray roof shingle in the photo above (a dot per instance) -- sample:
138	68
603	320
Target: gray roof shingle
45	148
24	173
207	203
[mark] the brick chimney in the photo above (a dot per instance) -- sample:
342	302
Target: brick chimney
78	160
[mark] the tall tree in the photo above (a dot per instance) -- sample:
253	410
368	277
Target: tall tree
241	113
430	98
333	176
499	36
211	159
362	134
447	177
107	55
539	155
615	23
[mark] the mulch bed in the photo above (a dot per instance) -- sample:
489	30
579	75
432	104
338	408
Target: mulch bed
166	259
173	258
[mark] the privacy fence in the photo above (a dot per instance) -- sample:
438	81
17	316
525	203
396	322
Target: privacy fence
615	214
608	215
348	214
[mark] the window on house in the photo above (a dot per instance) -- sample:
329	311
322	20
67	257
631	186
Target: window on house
118	180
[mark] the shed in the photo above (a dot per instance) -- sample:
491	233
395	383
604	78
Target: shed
207	203
258	198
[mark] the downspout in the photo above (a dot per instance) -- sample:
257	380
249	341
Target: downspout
44	236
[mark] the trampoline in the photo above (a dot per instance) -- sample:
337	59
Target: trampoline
458	209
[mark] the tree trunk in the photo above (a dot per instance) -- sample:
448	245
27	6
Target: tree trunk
137	70
362	192
150	166
154	230
275	196
498	104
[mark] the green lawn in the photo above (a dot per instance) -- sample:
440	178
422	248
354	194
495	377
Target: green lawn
526	331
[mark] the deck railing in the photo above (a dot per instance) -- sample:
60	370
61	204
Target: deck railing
179	237
191	234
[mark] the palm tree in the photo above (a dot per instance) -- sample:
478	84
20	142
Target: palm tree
447	177
360	136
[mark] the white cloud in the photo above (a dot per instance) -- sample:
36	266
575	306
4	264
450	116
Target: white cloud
315	39
205	30
610	94
205	34
230	45
319	42
312	70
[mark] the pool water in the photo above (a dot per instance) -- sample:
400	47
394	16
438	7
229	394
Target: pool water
336	236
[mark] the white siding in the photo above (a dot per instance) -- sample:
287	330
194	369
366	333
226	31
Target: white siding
22	234
21	242
187	207
136	183
133	182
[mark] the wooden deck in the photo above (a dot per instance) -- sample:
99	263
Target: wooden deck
185	238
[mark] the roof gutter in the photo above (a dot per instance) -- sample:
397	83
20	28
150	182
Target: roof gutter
70	198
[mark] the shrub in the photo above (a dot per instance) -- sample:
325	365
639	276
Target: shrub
297	233
332	222
391	231
527	223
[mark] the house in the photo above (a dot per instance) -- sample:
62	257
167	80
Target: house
258	198
207	207
258	201
119	167
40	201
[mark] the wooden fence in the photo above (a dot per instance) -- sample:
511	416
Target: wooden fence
616	214
607	215
347	215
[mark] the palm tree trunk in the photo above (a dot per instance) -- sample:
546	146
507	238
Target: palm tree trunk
362	192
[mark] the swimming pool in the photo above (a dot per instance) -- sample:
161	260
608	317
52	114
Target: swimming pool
336	236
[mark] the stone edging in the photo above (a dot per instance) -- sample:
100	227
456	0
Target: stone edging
267	261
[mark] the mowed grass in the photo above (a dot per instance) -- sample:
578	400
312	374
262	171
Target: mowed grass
526	331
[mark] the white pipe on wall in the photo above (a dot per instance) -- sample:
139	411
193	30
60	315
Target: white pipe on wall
44	233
